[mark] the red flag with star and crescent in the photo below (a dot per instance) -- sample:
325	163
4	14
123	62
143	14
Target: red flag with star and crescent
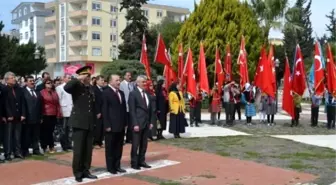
219	70
228	64
203	74
162	55
272	68
190	75
265	75
288	100
242	62
260	68
144	57
331	72
318	72
299	75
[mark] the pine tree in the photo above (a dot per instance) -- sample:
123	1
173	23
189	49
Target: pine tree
298	30
221	22
331	28
136	25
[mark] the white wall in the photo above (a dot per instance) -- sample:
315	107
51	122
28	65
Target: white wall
39	26
23	30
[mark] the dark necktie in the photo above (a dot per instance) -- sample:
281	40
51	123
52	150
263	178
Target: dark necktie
144	98
32	92
13	91
119	98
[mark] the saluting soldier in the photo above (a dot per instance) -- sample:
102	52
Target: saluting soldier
82	121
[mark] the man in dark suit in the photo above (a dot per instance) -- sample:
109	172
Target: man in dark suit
141	117
115	121
15	115
2	119
82	121
99	129
31	128
41	86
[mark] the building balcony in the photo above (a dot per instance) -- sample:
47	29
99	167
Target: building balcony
50	46
50	19
78	58
50	5
50	33
78	28
77	1
78	14
78	43
51	60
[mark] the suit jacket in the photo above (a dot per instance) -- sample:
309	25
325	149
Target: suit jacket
126	87
99	99
140	114
114	111
83	112
33	107
2	99
65	100
14	104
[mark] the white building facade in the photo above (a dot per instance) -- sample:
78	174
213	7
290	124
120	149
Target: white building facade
29	17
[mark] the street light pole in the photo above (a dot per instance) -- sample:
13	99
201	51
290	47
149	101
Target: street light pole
37	56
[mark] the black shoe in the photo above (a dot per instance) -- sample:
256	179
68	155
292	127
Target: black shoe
8	158
19	156
145	165
79	179
120	170
151	138
136	167
112	171
90	176
197	125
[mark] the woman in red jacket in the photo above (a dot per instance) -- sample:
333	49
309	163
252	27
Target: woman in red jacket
51	111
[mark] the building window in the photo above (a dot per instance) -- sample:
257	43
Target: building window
113	23
21	36
114	9
113	37
20	13
26	23
95	36
96	6
25	11
62	54
62	40
14	15
31	20
62	10
62	24
96	21
26	35
96	51
159	13
145	13
23	23
114	52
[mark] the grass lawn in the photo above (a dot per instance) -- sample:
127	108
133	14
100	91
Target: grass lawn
270	151
282	127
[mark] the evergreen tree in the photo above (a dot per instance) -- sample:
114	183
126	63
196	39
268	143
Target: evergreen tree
221	22
298	30
331	28
136	25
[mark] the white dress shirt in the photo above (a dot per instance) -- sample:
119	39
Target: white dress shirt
116	91
31	92
142	91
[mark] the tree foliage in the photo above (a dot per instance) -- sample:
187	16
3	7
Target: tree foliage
19	59
269	13
221	22
299	15
331	27
137	24
119	67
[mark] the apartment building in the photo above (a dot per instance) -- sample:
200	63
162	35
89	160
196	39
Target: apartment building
87	32
29	17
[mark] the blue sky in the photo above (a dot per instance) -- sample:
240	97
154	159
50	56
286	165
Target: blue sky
319	9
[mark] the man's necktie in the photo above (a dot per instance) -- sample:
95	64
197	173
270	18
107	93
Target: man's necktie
33	94
117	92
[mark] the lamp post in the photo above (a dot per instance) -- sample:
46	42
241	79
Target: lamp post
277	63
37	56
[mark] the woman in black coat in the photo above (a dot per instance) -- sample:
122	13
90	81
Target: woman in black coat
161	107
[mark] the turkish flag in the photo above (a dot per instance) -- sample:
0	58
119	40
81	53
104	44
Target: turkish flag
288	100
169	75
219	70
260	68
144	57
203	76
180	64
299	75
265	75
331	72
242	62
272	68
190	73
318	72
162	55
228	65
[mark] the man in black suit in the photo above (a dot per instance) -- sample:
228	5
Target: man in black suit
31	128
15	115
2	119
41	86
141	117
115	121
99	129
